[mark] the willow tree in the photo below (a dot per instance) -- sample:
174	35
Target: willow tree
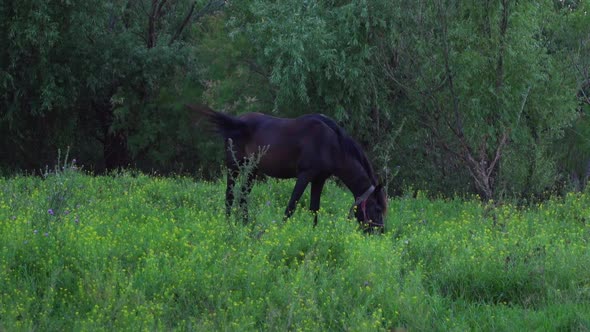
571	39
487	95
480	95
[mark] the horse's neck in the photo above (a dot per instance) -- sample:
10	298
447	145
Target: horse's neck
354	176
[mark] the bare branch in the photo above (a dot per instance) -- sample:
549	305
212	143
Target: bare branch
526	96
501	145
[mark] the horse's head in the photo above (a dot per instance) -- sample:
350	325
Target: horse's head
370	210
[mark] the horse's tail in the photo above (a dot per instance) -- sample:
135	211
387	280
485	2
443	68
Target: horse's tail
226	125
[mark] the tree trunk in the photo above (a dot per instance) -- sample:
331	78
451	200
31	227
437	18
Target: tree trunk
115	152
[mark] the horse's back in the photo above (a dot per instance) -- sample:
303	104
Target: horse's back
293	144
261	124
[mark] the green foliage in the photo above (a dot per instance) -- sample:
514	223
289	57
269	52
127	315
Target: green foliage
43	70
105	78
574	148
475	73
571	39
438	89
138	252
233	79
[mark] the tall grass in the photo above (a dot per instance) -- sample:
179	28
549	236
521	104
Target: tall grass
133	252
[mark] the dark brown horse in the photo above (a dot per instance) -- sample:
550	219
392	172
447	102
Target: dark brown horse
310	148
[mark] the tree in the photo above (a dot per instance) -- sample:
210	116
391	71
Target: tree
486	93
465	96
478	93
303	57
570	34
95	75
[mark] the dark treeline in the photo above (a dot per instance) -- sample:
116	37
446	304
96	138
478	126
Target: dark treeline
455	97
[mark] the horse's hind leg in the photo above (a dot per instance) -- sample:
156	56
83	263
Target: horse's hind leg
232	174
244	193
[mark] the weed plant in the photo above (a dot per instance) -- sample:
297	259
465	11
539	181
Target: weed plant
244	178
134	252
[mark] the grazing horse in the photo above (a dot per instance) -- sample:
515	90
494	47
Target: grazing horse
310	148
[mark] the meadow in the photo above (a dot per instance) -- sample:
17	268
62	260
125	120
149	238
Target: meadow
137	252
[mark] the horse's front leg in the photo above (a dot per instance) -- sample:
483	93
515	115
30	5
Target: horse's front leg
317	185
302	180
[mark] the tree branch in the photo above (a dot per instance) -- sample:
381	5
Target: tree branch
501	145
153	17
211	7
503	29
185	21
586	82
449	73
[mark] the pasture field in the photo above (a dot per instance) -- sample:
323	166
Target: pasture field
136	252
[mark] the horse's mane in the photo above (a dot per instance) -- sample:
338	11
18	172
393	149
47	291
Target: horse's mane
352	147
349	145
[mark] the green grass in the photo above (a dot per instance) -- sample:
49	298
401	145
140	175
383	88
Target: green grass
132	252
